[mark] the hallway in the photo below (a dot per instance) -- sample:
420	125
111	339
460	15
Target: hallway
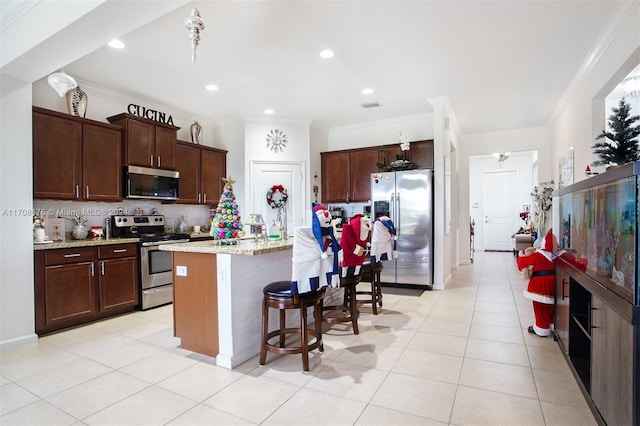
461	356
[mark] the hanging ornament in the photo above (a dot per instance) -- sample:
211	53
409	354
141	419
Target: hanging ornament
194	24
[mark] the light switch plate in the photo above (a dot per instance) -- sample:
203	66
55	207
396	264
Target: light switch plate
181	271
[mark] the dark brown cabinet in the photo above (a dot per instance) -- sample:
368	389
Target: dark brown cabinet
147	143
118	277
346	174
76	286
201	171
75	158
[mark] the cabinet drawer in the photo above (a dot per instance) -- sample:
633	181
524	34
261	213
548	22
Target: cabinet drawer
117	251
62	256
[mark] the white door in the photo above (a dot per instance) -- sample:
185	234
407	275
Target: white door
500	209
290	175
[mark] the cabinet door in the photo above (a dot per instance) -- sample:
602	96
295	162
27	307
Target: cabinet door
421	154
56	157
336	177
118	284
101	163
140	150
188	165
214	168
562	312
69	293
363	163
165	148
611	364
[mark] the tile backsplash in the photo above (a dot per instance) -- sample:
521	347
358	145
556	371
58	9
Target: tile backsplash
96	212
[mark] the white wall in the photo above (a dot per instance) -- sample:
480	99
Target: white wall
583	116
383	132
17	324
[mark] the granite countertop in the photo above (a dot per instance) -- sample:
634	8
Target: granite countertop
246	247
83	243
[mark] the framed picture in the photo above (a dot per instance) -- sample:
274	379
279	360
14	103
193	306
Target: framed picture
54	230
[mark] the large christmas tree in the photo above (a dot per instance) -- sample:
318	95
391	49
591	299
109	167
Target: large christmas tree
225	220
621	146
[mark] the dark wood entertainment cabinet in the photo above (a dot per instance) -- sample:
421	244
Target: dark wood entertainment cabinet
597	314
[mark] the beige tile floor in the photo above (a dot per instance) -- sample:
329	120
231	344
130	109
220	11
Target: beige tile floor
461	356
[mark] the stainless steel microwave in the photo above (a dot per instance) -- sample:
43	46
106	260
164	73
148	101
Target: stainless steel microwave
153	184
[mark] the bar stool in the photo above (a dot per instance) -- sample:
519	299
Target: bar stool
278	295
371	273
349	307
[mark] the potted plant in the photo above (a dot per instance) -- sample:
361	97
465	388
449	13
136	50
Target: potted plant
621	146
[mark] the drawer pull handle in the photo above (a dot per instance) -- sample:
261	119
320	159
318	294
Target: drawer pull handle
119	250
72	255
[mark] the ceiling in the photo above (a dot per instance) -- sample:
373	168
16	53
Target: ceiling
502	65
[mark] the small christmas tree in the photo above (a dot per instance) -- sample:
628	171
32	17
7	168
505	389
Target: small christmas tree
623	147
225	220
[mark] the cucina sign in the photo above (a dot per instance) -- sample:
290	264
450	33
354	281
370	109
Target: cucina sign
150	114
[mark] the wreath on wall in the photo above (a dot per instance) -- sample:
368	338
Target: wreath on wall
277	202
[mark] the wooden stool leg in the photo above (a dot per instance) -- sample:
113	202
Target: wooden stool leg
304	336
283	325
317	315
374	295
265	331
353	307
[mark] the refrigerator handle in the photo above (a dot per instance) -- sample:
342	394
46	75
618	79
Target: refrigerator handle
392	207
398	214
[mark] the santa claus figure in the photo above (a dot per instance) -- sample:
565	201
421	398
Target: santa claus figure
354	242
329	247
541	287
383	240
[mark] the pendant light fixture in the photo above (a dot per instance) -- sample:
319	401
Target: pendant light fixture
194	24
61	82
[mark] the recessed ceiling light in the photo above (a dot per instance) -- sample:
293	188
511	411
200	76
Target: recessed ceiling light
116	44
211	87
367	91
326	54
269	111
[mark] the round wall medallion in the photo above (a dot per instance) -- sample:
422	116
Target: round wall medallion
276	140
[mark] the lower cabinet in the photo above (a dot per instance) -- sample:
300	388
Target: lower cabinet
601	343
118	278
76	286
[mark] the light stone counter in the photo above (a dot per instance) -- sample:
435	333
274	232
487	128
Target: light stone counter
243	248
84	243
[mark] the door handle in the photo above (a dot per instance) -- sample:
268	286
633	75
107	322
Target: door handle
102	267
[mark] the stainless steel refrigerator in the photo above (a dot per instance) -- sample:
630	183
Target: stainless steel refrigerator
407	198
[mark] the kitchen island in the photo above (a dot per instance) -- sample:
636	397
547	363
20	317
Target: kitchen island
217	295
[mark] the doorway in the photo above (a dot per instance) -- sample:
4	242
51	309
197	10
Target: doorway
291	176
498	192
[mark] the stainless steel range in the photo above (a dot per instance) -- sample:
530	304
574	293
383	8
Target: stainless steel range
156	270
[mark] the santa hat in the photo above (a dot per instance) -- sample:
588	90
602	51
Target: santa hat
548	242
318	230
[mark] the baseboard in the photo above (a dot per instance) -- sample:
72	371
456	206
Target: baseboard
20	341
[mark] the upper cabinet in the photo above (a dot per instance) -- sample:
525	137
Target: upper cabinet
75	158
147	143
346	174
201	171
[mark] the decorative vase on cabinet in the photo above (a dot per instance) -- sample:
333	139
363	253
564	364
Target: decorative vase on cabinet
77	102
196	133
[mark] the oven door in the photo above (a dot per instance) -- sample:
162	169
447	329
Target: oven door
155	267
